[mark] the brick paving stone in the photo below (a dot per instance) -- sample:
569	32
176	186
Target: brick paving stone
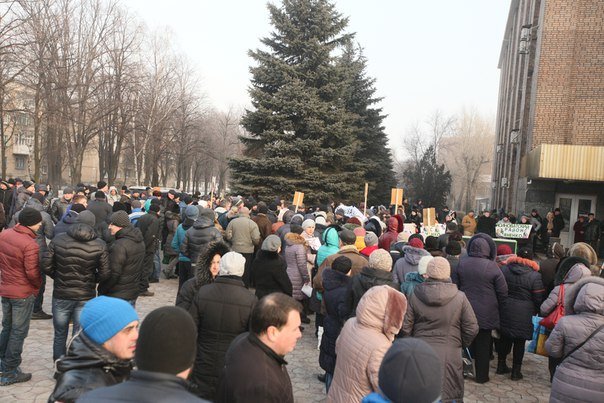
303	363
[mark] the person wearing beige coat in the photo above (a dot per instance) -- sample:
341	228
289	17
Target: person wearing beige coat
364	341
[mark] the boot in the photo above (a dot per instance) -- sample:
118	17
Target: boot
516	374
502	367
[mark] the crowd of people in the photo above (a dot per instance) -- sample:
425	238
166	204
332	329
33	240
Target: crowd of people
393	310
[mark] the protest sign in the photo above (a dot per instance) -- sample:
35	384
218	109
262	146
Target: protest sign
396	197
507	230
429	217
436	230
298	198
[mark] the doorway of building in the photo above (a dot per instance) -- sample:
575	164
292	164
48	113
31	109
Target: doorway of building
571	207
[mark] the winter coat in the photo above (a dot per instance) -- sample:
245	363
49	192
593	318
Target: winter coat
221	311
23	195
547	269
486	225
331	242
367	250
58	208
76	260
172	225
374	225
244	234
412	280
577	272
269	274
558	225
579	230
2	217
442	316
179	238
350	251
469	225
66	222
268	382
335	285
408	263
363	342
101	210
295	258
198	237
579	376
126	256
85	367
148	224
145	387
264	226
47	228
6	198
19	263
592	231
203	275
389	237
360	284
479	277
525	294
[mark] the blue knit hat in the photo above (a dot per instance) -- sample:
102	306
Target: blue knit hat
103	317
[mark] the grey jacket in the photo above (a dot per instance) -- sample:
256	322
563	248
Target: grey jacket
243	234
407	263
442	316
579	376
577	272
295	257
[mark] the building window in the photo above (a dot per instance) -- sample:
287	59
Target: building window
20	162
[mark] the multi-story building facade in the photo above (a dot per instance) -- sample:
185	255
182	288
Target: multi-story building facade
549	149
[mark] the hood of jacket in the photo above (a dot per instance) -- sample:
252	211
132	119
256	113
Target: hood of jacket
483	246
81	232
383	309
370	277
435	293
392	224
291	238
414	277
331	238
35	204
587	295
203	273
203	222
333	279
131	233
576	273
565	265
518	265
412	255
71	217
84	353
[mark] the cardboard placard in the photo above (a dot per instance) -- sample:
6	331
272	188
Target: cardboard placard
508	230
396	197
429	217
298	198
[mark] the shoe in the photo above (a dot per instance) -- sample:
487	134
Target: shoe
305	320
40	315
502	368
146	294
16	376
153	280
516	374
321	378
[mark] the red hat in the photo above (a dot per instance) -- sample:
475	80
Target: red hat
504	250
416	243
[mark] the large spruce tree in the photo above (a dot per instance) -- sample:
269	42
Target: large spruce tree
301	135
428	180
373	152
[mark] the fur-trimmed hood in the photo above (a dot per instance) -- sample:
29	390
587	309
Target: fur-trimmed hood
382	307
564	267
292	238
587	295
203	275
519	261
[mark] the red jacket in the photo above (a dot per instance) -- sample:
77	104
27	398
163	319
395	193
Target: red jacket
366	251
19	263
389	236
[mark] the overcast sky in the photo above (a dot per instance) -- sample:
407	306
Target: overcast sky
425	55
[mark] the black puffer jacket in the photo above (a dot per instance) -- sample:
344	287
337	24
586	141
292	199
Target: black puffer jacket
149	226
525	295
203	275
126	256
221	312
85	367
198	237
70	219
76	260
334	286
269	274
367	278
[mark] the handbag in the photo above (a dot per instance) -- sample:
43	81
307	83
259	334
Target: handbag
468	363
549	322
540	335
307	289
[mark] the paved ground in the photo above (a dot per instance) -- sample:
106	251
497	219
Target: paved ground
303	364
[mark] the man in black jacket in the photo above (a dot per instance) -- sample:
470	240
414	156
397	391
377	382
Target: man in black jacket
100	355
76	260
148	224
161	372
221	311
485	224
101	210
197	239
126	256
254	366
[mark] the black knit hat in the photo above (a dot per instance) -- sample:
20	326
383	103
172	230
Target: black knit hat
410	372
342	264
29	216
167	341
120	219
526	253
453	248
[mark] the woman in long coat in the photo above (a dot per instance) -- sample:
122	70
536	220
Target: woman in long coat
442	316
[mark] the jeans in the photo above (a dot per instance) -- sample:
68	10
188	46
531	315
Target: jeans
64	311
16	315
156	265
328	380
40	298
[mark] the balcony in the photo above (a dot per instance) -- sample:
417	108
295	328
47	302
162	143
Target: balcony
566	162
20	149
